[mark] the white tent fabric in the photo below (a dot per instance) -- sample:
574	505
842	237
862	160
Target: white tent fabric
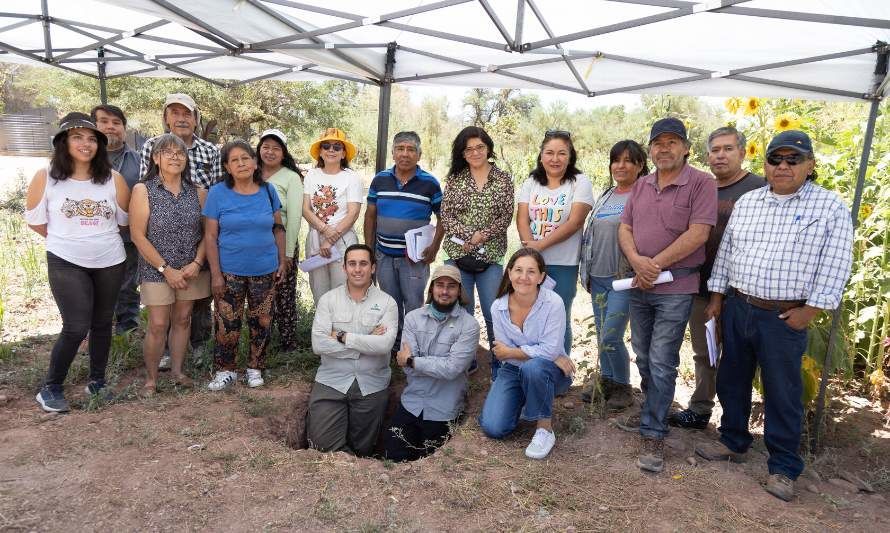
814	49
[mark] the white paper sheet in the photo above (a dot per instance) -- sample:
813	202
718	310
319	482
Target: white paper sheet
316	261
624	284
713	347
418	240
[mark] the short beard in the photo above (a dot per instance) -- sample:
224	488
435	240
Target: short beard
114	142
444	308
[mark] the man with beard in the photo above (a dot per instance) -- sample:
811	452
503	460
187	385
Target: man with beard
353	330
438	345
113	123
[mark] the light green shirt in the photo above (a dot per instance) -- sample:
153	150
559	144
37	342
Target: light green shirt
290	191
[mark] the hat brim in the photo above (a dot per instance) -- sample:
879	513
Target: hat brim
797	149
315	148
85	125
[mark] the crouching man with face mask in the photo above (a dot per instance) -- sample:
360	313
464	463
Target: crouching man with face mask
439	343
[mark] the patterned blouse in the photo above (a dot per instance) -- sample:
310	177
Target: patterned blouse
174	227
465	210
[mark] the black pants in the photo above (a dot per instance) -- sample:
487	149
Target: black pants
410	437
86	298
126	312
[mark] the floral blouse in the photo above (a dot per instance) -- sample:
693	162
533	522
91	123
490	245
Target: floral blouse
465	210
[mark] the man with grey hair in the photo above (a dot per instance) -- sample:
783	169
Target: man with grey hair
726	151
402	198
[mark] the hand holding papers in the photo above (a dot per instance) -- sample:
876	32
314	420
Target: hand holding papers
460	242
626	283
713	347
418	240
316	261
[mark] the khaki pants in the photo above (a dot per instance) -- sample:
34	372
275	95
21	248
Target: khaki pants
702	401
345	422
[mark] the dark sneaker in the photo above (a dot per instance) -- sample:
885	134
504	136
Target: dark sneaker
717	451
621	398
689	419
99	388
780	486
629	423
651	457
52	399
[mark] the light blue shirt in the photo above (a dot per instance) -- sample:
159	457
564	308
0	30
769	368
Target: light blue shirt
542	332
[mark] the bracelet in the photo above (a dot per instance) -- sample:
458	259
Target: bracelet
276	227
197	263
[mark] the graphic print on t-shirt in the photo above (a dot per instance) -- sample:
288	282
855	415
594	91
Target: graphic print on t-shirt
324	202
87	209
547	212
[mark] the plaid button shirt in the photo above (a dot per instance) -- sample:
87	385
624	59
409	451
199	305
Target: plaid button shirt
797	249
204	162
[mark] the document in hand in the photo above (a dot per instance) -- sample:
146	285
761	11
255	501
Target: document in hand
713	348
418	240
460	242
626	283
311	263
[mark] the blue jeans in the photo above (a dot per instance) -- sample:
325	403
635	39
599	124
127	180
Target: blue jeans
566	278
611	312
526	390
486	283
756	337
657	324
405	282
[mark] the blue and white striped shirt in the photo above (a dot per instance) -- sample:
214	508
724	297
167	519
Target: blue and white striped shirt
402	208
796	248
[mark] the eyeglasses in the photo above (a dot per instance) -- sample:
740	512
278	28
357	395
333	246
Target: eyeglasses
478	149
792	159
170	154
549	134
332	146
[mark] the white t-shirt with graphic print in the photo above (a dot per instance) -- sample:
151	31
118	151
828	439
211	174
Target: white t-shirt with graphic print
548	209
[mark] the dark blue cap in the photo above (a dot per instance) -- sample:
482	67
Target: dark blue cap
794	139
668	125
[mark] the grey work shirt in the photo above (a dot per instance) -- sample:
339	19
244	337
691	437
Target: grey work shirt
443	351
126	161
363	357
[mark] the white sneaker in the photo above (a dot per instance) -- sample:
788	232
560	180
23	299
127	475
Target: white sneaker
164	363
223	380
541	444
254	378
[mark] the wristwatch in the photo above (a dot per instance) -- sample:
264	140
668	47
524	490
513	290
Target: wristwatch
341	337
163	267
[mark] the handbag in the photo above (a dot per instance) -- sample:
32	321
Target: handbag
471	264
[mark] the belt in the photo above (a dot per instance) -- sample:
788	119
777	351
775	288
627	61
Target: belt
769	305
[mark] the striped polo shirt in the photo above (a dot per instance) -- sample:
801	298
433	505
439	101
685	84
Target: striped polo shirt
402	208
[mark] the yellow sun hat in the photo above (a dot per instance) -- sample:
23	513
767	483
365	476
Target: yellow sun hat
332	134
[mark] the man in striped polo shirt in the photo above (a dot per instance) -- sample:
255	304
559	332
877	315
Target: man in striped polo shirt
402	198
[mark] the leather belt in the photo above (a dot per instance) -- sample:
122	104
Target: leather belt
769	305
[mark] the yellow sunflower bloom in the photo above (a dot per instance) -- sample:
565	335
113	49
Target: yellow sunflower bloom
786	121
752	104
733	105
752	150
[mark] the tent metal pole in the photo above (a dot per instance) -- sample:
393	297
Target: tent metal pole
47	42
497	22
383	108
103	92
520	23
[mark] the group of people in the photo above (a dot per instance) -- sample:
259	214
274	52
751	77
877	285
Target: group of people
189	224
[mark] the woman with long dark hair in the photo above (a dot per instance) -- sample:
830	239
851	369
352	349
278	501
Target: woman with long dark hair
78	204
529	321
167	229
477	207
244	240
552	205
280	169
601	263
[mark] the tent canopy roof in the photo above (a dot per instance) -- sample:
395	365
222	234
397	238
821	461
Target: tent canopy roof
787	48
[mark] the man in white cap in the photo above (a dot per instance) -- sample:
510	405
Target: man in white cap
181	118
439	343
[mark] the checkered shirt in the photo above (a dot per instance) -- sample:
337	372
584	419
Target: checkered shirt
204	161
799	249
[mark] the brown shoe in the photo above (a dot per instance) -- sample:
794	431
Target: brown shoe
780	486
621	398
629	423
651	457
717	451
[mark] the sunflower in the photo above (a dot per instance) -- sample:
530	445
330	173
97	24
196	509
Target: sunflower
733	105
786	121
752	104
752	151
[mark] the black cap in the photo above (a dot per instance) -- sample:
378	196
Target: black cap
79	120
794	139
668	125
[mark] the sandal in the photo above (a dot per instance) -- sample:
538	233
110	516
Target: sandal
182	380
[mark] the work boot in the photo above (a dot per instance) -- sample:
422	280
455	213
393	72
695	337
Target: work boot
621	397
651	457
780	486
606	387
629	423
717	451
689	419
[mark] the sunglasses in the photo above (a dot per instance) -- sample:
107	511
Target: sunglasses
558	134
332	146
792	159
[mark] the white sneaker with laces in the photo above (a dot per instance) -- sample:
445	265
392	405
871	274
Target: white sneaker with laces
541	444
223	380
254	378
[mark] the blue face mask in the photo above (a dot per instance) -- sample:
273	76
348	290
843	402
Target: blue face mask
435	313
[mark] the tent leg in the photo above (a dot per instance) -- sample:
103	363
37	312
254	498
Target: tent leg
816	440
103	93
383	106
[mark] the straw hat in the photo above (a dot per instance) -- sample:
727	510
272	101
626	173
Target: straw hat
332	134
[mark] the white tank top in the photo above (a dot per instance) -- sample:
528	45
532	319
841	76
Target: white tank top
82	221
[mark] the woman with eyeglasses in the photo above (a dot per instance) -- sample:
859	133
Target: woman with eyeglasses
280	170
601	263
77	204
552	205
167	229
244	240
332	199
477	207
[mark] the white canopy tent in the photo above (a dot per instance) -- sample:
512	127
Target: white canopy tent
816	49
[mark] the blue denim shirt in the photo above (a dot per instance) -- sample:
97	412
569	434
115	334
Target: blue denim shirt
443	351
542	332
